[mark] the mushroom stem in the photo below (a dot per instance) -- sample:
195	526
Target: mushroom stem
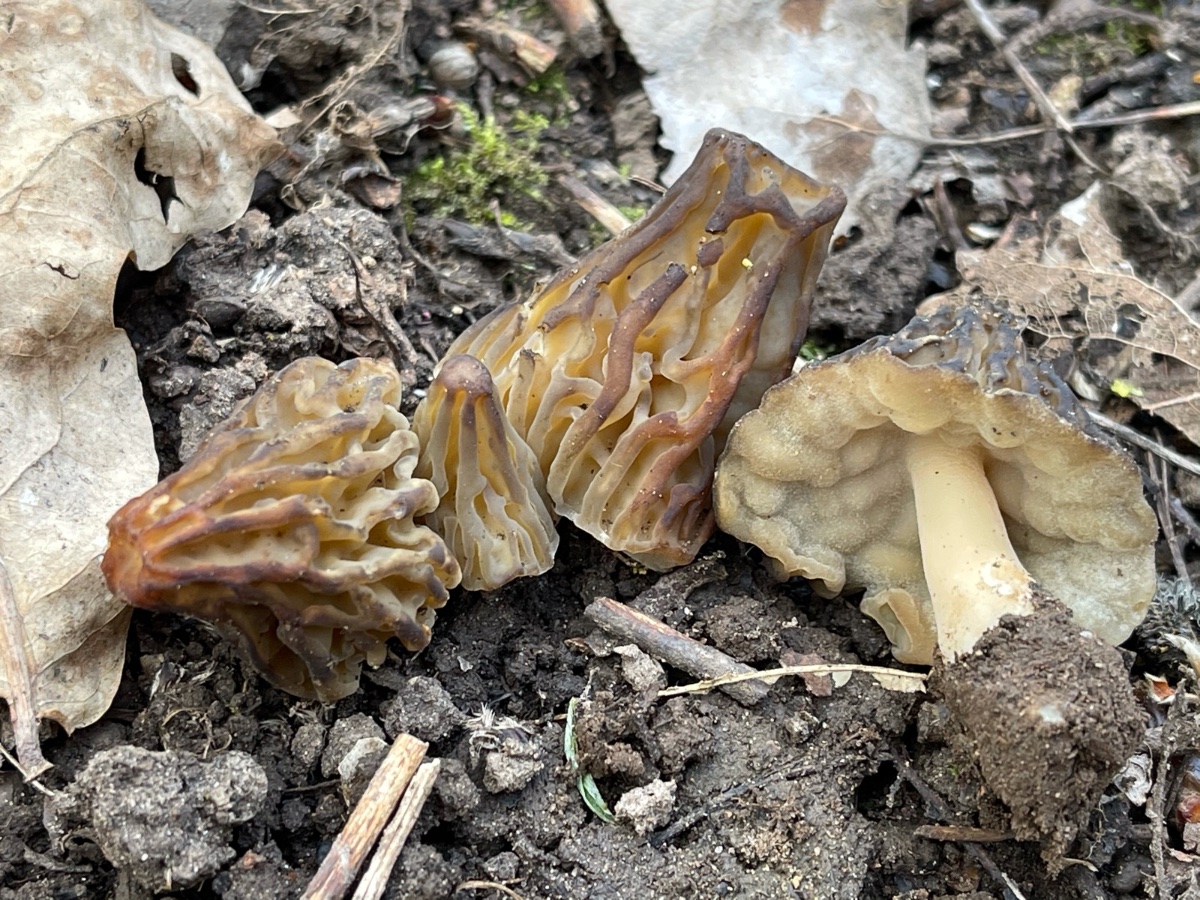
972	571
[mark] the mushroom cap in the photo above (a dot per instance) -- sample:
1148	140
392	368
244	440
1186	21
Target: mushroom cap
817	477
494	513
625	374
291	529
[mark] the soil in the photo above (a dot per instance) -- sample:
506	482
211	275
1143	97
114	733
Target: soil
818	789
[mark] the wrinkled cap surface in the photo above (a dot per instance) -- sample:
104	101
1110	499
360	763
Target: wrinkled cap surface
817	476
291	529
494	513
625	374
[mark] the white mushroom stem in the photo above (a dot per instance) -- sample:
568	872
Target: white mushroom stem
972	571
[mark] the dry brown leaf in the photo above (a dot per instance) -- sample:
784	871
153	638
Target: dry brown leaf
833	87
1078	292
107	112
122	137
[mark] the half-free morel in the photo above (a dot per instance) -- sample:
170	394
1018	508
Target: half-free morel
957	479
626	373
291	529
493	513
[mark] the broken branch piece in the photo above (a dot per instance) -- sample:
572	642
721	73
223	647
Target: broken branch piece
340	866
666	644
291	529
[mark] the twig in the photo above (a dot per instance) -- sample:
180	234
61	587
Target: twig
341	863
1133	117
1186	519
962	833
668	645
696	813
1190	295
989	27
1051	112
1138	116
488	886
338	89
391	843
613	220
581	20
703	687
946	218
1125	433
1161	757
938	810
1161	477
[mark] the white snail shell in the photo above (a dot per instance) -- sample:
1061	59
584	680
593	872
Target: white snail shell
453	66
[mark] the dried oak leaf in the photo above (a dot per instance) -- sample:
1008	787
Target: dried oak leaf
833	86
122	137
291	528
1077	291
626	373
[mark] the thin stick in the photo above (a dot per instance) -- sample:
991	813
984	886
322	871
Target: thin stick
350	848
391	843
1051	112
1133	117
668	645
989	27
1125	433
962	833
702	687
488	886
938	809
1161	476
1186	519
1189	296
613	220
581	20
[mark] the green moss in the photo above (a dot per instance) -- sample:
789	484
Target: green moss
815	351
551	86
1090	51
493	165
1137	39
633	213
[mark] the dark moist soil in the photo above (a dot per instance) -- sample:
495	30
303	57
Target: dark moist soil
817	791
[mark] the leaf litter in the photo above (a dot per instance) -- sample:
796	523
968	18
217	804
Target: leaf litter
124	137
1079	293
821	843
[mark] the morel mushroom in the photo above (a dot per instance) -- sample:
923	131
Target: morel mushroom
493	514
625	374
291	529
899	465
960	482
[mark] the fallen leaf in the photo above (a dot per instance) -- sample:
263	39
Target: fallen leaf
830	86
123	137
1076	289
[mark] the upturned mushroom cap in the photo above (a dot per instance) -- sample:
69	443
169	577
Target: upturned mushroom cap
818	478
291	529
493	513
625	374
